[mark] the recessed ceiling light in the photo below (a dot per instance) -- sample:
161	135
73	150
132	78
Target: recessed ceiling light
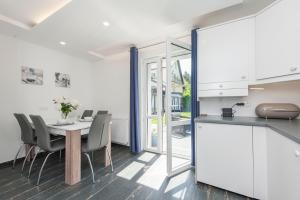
106	23
63	43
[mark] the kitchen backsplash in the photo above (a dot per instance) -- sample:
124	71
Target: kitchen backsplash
285	92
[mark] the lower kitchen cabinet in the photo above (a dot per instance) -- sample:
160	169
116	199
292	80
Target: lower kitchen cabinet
253	161
260	167
283	167
224	157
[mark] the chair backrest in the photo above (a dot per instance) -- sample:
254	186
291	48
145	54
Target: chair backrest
27	132
99	132
102	112
42	133
87	113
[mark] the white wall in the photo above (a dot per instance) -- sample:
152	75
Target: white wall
32	99
111	84
285	92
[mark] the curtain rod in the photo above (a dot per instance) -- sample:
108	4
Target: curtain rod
158	43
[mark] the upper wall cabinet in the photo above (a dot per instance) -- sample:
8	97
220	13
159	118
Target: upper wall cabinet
225	55
278	40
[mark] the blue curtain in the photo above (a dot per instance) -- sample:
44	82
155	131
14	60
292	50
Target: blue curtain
135	135
194	103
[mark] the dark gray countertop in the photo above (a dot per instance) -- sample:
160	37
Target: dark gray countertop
287	128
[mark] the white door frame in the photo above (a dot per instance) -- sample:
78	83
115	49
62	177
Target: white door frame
169	43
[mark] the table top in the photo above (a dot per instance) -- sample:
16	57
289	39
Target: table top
71	127
84	128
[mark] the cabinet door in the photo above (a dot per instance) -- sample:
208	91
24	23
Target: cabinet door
277	40
226	52
283	167
224	157
260	190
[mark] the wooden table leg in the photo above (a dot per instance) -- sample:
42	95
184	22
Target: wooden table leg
73	157
106	157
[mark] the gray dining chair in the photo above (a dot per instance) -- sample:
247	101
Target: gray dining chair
27	137
102	112
87	113
97	139
44	143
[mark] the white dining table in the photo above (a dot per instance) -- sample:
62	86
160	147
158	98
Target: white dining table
73	135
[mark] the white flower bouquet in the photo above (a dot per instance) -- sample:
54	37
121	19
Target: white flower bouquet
66	105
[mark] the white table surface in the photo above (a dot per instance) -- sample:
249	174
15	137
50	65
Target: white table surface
61	130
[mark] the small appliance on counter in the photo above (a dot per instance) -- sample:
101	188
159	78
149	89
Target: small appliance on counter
277	111
229	112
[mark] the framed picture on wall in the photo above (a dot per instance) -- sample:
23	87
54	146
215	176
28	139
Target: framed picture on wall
62	80
32	76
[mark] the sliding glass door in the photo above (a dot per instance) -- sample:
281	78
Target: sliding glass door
178	106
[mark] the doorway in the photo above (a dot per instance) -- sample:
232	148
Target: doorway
168	114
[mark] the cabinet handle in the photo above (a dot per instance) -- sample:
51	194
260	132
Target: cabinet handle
220	93
244	77
293	69
297	153
220	86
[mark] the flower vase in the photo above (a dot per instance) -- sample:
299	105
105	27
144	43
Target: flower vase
64	119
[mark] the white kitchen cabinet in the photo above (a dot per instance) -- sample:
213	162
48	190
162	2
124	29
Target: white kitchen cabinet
277	40
224	157
260	189
283	167
225	55
223	93
222	86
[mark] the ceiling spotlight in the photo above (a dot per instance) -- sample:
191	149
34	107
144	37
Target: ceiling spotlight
63	43
106	23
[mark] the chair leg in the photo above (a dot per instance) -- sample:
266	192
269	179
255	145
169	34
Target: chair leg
41	170
60	155
111	164
91	166
19	150
33	162
28	153
92	156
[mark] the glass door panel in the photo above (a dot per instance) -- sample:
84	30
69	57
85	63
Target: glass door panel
178	110
154	106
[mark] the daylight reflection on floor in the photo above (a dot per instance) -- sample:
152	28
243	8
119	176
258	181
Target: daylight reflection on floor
154	173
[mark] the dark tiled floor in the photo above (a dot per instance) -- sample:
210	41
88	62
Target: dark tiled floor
134	177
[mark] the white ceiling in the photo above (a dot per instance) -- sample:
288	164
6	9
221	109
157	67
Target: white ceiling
79	22
29	13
